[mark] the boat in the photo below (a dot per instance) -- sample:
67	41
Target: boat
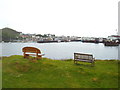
46	41
111	44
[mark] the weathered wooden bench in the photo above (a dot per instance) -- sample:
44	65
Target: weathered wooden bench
84	58
32	51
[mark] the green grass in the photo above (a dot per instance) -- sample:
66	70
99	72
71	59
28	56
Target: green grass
46	73
0	74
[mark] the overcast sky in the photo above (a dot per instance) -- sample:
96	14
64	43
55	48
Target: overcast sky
97	18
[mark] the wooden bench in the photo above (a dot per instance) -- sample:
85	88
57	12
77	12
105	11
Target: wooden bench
84	58
27	51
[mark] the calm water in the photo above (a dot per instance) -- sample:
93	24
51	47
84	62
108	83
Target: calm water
63	50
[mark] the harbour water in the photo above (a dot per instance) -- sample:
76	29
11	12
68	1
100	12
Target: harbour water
63	50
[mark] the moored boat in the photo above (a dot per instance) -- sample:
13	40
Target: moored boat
46	41
111	44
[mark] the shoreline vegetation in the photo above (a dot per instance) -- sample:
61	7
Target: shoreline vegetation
18	72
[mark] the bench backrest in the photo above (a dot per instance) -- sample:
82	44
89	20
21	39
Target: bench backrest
31	50
83	56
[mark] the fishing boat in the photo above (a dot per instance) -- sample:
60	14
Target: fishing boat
111	44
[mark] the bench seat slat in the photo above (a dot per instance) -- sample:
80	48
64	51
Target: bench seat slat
35	54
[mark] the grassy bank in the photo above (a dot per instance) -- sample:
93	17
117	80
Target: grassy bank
23	73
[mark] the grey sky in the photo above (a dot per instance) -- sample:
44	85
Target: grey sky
61	17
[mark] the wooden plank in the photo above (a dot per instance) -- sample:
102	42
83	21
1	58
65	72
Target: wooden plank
83	54
31	49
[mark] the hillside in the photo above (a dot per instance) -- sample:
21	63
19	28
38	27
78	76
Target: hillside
9	34
46	73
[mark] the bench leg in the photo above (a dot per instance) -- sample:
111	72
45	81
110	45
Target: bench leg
26	55
39	57
75	62
93	63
